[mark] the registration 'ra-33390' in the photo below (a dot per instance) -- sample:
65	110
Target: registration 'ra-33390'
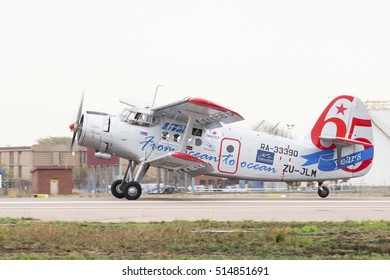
279	150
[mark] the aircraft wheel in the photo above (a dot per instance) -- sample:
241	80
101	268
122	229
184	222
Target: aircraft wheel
323	192
116	189
132	190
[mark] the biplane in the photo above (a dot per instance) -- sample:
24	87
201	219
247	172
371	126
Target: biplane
195	136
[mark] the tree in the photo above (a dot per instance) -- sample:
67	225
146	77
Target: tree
55	140
271	128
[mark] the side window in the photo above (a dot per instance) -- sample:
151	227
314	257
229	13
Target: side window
165	135
139	118
176	137
197	132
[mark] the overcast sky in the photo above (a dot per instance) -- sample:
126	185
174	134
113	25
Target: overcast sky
277	60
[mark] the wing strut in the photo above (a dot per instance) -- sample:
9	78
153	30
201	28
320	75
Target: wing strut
188	132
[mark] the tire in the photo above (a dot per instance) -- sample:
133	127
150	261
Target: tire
116	190
323	192
132	190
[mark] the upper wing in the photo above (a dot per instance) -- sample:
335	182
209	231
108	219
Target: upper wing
182	162
207	112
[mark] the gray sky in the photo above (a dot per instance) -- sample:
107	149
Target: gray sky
278	60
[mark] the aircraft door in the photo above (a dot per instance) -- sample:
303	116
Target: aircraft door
229	155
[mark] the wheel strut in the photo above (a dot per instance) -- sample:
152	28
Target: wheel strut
322	190
118	185
130	186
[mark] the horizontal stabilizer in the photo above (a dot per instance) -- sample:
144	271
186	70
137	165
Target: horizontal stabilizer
182	163
344	141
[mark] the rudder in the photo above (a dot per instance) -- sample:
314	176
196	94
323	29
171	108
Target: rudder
345	125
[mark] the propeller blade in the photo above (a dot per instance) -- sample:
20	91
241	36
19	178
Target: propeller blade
74	127
80	108
73	140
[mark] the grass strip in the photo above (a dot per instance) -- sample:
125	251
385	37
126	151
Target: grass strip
33	239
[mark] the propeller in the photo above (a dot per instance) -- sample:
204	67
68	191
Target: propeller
74	127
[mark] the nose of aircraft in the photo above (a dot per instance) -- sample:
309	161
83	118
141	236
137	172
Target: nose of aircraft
94	131
76	127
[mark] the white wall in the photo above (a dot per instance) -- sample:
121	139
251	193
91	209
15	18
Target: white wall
379	174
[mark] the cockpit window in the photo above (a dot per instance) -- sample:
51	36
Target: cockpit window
136	117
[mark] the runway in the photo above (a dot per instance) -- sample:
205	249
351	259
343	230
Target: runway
218	209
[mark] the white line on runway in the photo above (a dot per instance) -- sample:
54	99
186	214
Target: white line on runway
206	207
194	201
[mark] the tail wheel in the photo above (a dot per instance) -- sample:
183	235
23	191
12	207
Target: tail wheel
117	190
323	192
132	190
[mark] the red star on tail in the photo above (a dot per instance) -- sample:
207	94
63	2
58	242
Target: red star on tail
341	109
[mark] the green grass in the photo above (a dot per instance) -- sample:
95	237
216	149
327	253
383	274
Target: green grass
29	239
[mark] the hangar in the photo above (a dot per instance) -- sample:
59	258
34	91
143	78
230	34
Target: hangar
379	174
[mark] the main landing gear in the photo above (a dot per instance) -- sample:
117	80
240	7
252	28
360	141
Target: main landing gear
130	187
322	190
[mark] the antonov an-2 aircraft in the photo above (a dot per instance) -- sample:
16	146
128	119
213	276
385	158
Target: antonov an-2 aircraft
194	136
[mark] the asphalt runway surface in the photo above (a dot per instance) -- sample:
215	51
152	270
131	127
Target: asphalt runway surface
151	209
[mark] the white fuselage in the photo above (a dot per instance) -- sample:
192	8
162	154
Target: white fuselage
232	151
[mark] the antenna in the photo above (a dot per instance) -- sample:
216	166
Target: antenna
260	124
272	130
155	94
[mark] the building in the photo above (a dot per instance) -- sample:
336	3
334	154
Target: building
101	172
212	182
53	180
89	173
379	174
17	161
20	161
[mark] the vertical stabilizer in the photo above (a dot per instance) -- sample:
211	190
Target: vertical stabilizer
343	134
